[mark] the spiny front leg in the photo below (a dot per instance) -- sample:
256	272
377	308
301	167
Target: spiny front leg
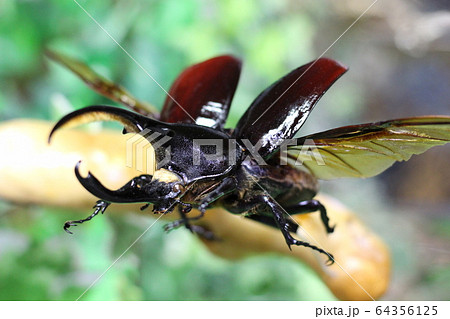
100	207
283	225
131	192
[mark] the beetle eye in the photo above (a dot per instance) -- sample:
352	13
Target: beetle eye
170	133
178	188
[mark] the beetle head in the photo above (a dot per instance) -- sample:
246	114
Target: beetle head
177	140
163	189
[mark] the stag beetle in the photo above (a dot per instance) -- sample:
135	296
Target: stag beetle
257	169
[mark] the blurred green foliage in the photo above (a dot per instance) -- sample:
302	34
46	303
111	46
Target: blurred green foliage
40	262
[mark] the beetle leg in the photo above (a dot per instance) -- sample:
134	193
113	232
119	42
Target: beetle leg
203	232
227	185
100	207
269	221
185	207
283	225
130	192
183	220
309	206
199	230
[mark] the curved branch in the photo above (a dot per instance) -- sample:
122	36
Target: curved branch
33	171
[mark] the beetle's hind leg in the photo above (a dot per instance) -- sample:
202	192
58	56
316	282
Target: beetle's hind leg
269	221
284	226
100	207
309	206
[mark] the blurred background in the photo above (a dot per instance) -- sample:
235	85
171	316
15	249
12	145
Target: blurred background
399	59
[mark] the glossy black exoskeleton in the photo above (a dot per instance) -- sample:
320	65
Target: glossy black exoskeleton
257	169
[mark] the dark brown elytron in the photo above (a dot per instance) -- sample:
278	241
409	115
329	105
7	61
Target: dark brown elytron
258	168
